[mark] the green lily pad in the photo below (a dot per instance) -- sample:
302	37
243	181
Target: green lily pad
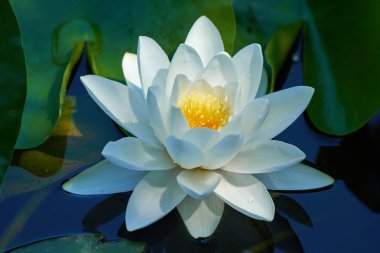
54	33
340	54
12	84
81	243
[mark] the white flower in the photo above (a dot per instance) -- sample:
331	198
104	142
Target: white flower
202	139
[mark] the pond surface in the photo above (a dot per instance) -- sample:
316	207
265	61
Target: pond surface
341	218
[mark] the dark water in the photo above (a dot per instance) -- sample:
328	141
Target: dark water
342	218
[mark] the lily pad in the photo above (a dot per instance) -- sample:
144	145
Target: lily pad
342	66
81	243
54	32
12	84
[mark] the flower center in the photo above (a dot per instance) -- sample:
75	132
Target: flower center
205	110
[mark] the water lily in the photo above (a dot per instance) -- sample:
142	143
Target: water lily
202	138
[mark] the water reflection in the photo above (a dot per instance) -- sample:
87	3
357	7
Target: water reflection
235	233
356	162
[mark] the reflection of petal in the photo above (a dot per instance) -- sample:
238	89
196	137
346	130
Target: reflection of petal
135	154
204	37
291	208
152	60
285	107
105	211
265	157
103	178
198	183
154	196
297	177
201	217
246	194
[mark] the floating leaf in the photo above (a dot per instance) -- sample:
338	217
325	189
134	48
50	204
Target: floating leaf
12	85
53	33
81	243
342	66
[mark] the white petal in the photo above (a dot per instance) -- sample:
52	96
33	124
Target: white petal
223	152
131	69
154	196
198	183
264	157
202	137
253	116
177	122
157	110
186	62
249	64
201	217
103	178
115	100
263	87
152	61
297	177
134	154
247	195
232	127
204	37
219	71
285	107
181	85
184	153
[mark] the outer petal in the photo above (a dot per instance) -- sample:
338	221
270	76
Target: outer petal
201	217
115	99
219	71
186	62
198	183
265	157
152	61
157	110
177	122
204	37
184	153
285	107
131	69
134	154
297	177
154	196
247	195
249	64
253	116
223	152
103	178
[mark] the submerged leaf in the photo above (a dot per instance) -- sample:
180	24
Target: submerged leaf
54	33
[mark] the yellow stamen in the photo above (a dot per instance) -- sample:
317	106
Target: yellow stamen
205	110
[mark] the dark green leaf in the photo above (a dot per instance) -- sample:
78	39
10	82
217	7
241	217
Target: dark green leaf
12	84
341	53
82	243
52	30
